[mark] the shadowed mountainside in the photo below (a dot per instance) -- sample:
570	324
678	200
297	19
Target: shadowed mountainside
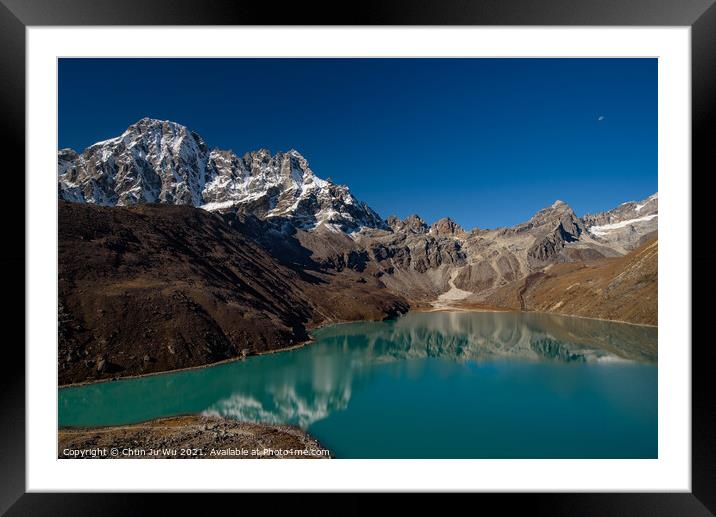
153	288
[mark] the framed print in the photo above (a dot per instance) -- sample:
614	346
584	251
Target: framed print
423	249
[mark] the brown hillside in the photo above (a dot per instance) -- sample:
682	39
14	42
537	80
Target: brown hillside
153	288
620	288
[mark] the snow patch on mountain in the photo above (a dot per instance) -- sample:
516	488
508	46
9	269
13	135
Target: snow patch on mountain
606	228
641	205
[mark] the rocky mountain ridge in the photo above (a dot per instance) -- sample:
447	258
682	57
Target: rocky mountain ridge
310	224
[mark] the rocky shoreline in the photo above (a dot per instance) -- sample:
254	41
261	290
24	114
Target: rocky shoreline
477	308
189	437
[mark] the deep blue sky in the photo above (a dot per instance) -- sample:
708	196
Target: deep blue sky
485	141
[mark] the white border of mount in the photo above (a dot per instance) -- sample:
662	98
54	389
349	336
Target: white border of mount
670	472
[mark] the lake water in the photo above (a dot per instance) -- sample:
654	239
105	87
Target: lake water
427	385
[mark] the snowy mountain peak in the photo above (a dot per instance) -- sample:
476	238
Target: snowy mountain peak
628	218
160	161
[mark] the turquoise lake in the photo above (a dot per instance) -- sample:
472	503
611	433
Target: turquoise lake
426	385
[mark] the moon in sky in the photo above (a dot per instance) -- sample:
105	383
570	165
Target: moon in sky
600	118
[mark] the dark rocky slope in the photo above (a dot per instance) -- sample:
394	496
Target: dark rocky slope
151	288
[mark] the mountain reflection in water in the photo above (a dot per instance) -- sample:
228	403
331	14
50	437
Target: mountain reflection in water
379	370
344	351
482	335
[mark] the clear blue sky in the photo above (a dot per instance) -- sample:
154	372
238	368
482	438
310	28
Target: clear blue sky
485	141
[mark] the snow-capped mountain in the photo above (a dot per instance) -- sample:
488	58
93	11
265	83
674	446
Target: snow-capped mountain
626	224
156	161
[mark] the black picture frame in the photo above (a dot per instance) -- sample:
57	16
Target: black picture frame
16	15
